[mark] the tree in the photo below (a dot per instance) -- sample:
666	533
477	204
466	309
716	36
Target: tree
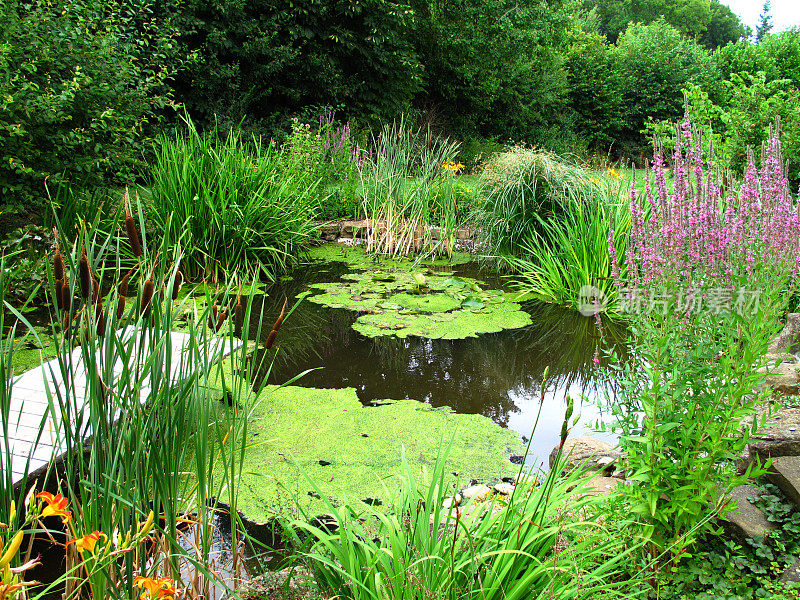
765	22
495	67
724	27
690	17
264	61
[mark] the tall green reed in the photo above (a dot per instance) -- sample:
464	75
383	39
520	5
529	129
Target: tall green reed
569	253
406	192
241	209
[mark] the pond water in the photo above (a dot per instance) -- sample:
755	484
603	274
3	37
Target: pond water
498	375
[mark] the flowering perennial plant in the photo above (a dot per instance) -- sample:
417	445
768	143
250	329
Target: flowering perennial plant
702	232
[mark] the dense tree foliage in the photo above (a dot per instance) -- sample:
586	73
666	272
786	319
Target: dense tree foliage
81	84
264	61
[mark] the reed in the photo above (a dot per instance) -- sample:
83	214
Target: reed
406	193
240	209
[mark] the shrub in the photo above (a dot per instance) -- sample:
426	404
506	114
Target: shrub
707	273
239	207
85	83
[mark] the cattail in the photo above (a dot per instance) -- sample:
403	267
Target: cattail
59	270
212	317
123	291
86	276
274	333
221	320
59	297
95	289
66	297
238	313
130	227
176	286
271	339
120	307
147	297
100	318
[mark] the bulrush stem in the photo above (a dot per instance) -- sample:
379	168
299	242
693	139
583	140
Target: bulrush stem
238	312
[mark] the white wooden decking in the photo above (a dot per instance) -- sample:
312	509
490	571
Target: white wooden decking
30	412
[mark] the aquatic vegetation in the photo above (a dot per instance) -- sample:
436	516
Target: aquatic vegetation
407	188
238	206
404	303
349	449
522	185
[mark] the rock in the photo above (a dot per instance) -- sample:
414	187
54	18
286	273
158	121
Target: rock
506	489
785	473
324	463
791	574
477	492
779	437
516	459
372	501
789	337
783	377
452	501
528	478
601	485
586	453
746	520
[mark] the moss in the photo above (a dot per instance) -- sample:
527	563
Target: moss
294	431
419	303
30	352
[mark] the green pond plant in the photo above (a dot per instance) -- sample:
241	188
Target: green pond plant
707	275
241	208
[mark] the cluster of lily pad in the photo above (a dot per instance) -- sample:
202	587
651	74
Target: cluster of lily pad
405	303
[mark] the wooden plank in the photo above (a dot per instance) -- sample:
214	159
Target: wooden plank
30	408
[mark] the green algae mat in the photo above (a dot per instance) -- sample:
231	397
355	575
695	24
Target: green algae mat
354	452
404	298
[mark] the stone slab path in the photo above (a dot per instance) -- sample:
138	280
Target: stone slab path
33	433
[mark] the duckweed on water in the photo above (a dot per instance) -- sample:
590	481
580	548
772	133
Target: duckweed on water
353	451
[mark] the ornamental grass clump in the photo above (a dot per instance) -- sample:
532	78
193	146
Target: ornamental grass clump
708	268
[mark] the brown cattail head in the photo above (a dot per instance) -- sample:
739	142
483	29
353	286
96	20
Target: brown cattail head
130	227
147	297
86	276
221	319
176	286
100	318
120	307
66	297
59	297
271	339
95	289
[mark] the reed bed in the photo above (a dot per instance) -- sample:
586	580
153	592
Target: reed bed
407	192
151	454
240	208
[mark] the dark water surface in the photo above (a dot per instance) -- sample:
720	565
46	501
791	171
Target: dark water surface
498	375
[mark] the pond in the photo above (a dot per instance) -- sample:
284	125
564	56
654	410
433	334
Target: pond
498	375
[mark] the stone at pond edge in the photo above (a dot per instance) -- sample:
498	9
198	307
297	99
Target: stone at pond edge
479	492
783	377
585	452
506	489
746	520
791	574
601	485
779	437
785	473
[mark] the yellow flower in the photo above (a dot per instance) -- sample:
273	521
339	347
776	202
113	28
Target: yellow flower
155	588
614	175
89	541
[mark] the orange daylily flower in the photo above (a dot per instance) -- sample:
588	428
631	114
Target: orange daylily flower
89	541
155	588
56	506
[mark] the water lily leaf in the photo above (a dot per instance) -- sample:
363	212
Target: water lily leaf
472	302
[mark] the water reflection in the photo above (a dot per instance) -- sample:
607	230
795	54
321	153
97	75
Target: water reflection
497	375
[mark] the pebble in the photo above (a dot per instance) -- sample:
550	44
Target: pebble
452	501
504	488
479	492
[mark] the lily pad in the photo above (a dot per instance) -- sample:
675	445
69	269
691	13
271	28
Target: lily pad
446	308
